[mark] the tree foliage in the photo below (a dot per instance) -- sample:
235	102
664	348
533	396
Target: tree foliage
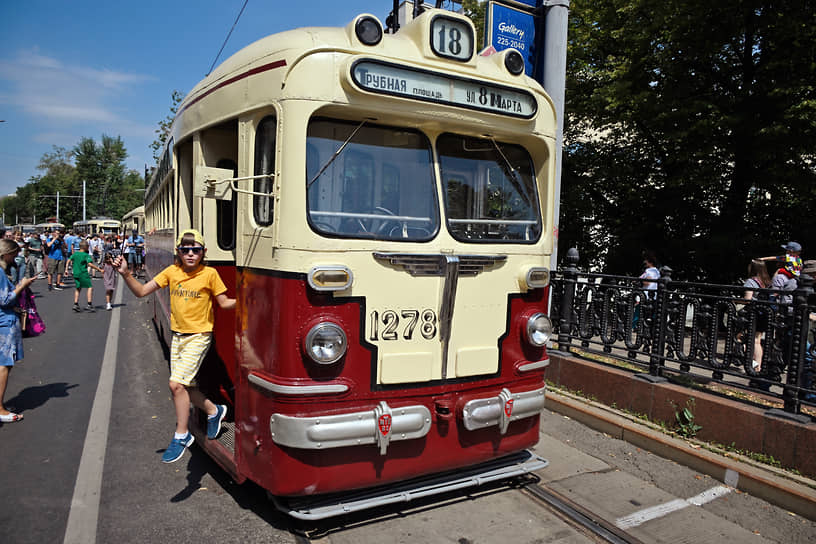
164	126
690	129
110	189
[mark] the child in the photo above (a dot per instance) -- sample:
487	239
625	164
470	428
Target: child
82	261
194	286
109	279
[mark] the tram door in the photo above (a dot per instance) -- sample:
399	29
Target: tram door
216	219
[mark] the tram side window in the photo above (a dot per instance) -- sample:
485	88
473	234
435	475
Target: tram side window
264	164
226	211
370	181
490	190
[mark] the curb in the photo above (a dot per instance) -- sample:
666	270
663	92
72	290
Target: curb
791	492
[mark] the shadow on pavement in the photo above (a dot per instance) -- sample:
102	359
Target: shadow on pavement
34	397
248	495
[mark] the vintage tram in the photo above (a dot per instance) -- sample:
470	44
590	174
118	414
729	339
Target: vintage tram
98	225
381	206
134	220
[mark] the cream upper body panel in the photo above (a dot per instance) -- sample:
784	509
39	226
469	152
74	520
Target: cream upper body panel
285	66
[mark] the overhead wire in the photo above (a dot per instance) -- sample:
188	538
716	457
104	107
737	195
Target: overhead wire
227	38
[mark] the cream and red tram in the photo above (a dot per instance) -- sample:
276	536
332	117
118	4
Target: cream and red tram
381	206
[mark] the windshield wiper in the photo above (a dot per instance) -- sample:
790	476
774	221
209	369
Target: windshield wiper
510	172
336	153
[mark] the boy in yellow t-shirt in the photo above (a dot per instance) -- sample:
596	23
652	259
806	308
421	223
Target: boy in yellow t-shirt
193	287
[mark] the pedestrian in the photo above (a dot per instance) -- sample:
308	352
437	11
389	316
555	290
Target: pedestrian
649	279
758	278
786	277
81	261
68	250
56	260
650	274
18	271
11	335
194	287
109	279
96	247
135	247
791	260
35	255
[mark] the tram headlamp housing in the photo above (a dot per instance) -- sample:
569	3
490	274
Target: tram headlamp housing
537	277
514	62
325	343
539	330
368	30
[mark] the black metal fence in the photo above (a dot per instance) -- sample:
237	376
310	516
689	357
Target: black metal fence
704	331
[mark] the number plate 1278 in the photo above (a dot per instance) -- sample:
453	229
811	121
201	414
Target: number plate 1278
405	324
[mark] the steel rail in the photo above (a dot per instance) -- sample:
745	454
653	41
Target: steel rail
579	515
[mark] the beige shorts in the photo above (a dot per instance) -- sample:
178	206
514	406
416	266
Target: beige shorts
187	352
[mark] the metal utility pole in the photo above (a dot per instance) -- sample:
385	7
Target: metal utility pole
58	199
552	76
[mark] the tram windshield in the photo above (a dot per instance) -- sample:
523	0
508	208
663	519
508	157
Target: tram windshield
490	190
370	181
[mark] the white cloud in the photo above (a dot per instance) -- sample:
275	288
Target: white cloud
48	88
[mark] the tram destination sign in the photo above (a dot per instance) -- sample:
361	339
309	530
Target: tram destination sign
391	79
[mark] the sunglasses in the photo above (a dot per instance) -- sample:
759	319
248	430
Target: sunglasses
187	249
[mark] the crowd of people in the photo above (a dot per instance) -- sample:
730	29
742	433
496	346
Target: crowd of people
53	255
770	291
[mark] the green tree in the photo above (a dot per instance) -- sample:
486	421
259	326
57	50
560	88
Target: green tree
690	129
475	9
164	126
58	174
102	167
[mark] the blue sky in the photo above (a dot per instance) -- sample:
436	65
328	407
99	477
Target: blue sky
80	68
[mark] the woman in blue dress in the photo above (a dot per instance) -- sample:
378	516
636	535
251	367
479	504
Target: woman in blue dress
11	337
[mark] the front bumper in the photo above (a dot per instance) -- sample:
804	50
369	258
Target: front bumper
382	424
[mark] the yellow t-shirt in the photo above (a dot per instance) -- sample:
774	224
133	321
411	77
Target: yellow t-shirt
191	304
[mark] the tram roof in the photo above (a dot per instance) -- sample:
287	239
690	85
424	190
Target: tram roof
286	49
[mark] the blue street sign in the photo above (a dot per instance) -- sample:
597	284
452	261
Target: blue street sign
531	3
510	27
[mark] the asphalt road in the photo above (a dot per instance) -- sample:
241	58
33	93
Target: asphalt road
140	499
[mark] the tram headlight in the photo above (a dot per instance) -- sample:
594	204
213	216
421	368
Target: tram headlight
325	343
539	329
514	62
368	30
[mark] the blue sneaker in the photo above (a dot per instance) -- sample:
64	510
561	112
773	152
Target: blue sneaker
214	422
176	448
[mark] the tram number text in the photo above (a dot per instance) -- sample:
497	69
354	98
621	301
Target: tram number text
391	324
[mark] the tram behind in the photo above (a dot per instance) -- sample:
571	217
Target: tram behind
381	206
97	225
134	220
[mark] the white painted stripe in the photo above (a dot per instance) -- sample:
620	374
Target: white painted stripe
639	518
84	513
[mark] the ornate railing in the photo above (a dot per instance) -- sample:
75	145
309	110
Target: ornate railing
704	331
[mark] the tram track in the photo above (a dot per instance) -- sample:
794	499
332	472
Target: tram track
576	516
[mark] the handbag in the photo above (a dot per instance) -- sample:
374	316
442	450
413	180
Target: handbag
30	320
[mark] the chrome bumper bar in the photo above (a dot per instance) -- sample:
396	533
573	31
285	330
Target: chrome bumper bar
502	409
383	424
380	426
